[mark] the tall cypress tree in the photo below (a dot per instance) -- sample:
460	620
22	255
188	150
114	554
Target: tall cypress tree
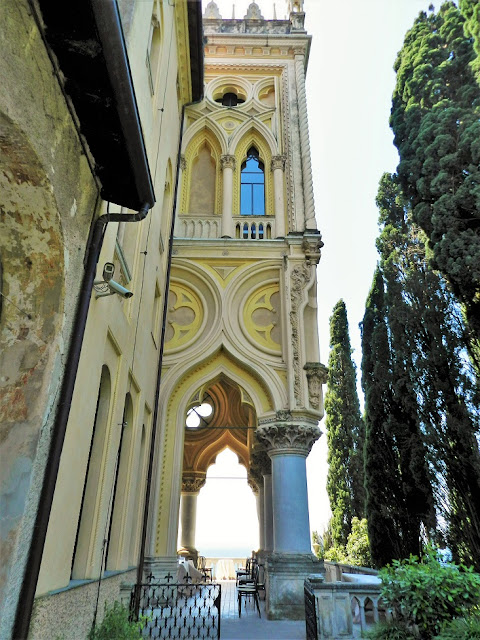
345	431
432	375
382	477
436	123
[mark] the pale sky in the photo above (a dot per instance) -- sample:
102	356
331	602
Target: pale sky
350	80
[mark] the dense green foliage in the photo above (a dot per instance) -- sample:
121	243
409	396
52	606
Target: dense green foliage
390	631
421	400
345	431
116	625
399	499
465	628
357	550
471	12
427	594
435	118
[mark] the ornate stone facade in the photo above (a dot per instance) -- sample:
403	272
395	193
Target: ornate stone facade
316	377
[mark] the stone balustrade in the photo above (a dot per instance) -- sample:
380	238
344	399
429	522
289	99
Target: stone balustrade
346	609
244	227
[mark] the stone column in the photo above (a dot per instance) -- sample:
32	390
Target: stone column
288	441
228	167
310	222
188	513
268	512
278	167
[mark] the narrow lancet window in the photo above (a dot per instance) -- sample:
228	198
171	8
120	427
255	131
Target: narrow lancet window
252	185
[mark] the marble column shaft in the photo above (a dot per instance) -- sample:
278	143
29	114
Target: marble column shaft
228	167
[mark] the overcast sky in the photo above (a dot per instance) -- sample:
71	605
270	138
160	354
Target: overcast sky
350	80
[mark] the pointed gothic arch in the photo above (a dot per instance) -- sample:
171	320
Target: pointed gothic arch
202	184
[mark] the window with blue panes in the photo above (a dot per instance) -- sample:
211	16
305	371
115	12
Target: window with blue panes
252	185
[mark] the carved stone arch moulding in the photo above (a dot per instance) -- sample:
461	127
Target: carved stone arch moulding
185	316
260	318
217	88
204	137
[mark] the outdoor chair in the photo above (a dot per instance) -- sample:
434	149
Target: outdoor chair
244	572
207	571
249	590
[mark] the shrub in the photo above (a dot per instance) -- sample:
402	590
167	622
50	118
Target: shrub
467	628
358	546
424	595
389	631
116	625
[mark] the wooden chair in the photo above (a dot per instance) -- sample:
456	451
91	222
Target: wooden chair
249	590
244	572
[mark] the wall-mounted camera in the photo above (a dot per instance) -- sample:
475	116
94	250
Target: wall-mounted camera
108	286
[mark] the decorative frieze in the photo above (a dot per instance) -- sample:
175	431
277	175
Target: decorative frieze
288	438
316	377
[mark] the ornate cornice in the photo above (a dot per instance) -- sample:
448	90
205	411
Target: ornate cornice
227	162
288	438
316	376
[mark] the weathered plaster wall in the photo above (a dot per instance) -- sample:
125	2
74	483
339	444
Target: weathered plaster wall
53	613
47	201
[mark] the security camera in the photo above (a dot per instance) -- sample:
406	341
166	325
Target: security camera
117	288
108	271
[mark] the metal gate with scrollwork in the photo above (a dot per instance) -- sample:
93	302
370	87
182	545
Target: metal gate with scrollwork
310	613
181	611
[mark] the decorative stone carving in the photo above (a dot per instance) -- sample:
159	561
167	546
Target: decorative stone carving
252	483
278	162
192	484
310	222
253	12
316	377
311	245
299	278
183	162
288	438
212	12
227	162
260	463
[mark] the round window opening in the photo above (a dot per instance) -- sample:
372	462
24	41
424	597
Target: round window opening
199	416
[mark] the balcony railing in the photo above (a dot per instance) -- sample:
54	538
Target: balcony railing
244	227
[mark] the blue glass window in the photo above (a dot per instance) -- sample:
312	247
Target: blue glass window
252	185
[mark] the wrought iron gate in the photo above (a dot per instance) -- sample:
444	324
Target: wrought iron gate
182	611
310	612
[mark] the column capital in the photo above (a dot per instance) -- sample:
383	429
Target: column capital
289	438
317	374
227	162
278	162
311	245
260	463
192	483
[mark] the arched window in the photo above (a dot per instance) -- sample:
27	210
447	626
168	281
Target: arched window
252	185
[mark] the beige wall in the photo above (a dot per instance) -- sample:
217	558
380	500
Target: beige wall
47	202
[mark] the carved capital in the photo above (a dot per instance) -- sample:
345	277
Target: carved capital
227	162
252	483
288	438
316	376
311	246
260	463
192	483
278	162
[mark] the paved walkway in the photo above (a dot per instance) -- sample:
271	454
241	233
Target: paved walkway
250	625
